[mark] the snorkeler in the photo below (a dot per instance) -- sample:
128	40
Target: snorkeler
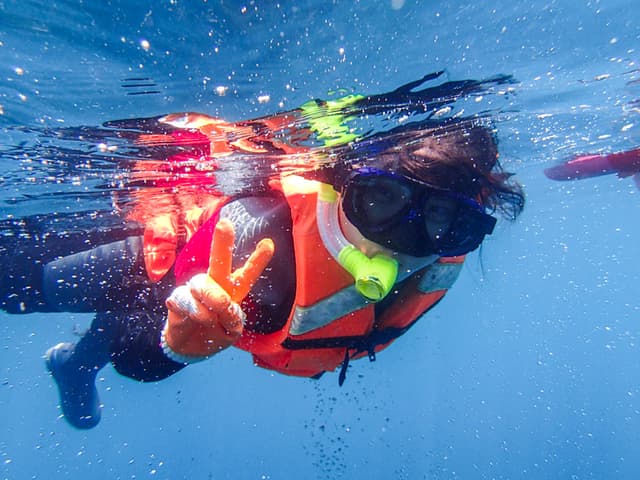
328	264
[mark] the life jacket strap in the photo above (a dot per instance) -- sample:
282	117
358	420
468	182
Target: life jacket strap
358	344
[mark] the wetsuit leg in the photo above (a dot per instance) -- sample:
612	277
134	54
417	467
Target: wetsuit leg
93	350
129	340
28	245
74	369
107	277
135	347
110	278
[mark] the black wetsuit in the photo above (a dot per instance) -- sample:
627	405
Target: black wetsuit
62	264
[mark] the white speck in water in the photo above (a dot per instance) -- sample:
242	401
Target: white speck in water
442	111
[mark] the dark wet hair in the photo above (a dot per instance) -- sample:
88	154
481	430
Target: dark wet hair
456	155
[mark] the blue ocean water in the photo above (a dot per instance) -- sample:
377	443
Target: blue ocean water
528	369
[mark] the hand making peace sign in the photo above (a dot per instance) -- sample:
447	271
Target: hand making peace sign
205	316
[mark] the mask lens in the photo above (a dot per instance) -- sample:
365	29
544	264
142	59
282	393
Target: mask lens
467	228
438	212
376	200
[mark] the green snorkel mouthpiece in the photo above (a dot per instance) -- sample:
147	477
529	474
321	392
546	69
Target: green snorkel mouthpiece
374	277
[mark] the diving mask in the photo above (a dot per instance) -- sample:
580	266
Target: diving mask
413	218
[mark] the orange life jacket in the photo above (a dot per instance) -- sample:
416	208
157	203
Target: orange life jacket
330	321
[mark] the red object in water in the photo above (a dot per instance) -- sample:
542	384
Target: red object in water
586	166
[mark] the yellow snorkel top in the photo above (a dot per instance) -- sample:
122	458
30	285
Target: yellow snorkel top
329	119
374	277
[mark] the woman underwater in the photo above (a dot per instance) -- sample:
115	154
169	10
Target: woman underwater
329	260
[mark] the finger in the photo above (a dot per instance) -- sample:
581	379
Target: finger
211	295
217	306
233	321
221	253
184	305
245	277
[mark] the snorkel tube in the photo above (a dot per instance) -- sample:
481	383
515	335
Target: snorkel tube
374	277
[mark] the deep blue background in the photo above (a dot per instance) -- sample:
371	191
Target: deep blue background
528	369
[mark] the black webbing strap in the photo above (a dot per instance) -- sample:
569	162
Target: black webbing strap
360	343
